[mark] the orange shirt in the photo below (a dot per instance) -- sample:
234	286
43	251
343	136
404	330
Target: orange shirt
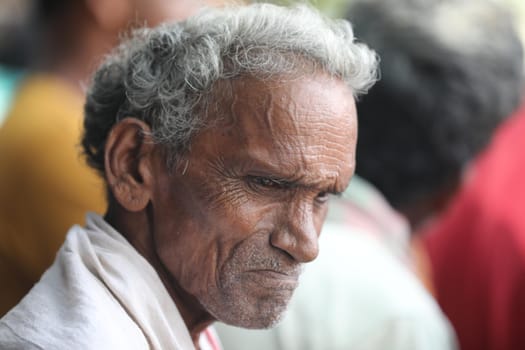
45	185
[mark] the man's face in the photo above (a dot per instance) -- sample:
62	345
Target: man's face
241	213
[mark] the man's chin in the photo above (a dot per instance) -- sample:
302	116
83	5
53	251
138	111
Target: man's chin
262	320
258	300
257	314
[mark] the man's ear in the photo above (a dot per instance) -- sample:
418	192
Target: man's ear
128	163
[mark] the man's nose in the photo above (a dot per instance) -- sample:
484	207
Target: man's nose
298	235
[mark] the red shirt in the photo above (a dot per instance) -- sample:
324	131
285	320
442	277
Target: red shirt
477	248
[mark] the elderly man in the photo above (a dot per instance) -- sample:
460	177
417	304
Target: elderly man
220	139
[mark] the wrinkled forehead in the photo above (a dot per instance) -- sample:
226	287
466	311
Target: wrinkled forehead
301	123
292	109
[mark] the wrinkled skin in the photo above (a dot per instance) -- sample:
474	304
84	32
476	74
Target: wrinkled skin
229	227
241	214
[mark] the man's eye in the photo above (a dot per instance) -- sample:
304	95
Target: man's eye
264	182
322	197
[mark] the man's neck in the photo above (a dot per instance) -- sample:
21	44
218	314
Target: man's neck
137	229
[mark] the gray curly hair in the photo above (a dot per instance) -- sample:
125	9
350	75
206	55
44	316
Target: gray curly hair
164	76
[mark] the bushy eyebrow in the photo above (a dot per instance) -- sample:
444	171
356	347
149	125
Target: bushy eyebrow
286	177
290	183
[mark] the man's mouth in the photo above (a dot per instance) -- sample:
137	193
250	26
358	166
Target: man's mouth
278	279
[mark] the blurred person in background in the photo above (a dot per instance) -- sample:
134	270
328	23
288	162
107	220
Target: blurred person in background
452	71
477	247
13	16
45	186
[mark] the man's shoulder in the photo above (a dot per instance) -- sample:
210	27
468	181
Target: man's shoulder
86	326
59	313
10	340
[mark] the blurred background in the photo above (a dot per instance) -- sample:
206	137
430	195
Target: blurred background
15	29
20	34
48	49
